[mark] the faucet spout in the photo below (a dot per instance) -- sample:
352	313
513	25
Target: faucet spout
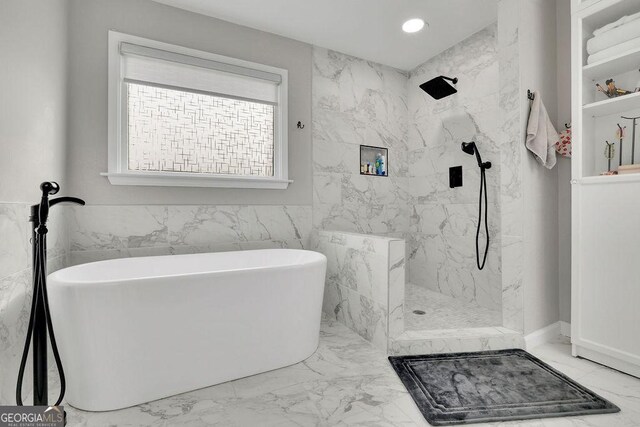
66	199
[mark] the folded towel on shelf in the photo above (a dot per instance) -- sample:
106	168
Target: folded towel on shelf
616	24
614	50
613	37
541	135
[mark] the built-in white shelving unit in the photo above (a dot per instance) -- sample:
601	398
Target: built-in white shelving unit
605	209
624	61
612	105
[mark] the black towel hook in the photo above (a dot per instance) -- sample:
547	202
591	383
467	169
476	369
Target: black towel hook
530	95
300	125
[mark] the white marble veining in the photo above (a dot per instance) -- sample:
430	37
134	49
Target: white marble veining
443	222
444	312
16	284
15	231
364	282
358	102
396	287
106	232
511	153
348	382
455	340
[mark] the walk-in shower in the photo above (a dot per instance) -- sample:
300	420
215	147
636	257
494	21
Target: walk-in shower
453	261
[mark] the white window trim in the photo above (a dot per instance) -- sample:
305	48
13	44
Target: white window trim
118	173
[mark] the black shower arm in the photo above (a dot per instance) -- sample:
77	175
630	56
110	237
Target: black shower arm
452	80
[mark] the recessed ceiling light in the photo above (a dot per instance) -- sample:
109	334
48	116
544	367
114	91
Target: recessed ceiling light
413	25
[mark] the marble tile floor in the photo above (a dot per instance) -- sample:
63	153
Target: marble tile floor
348	382
443	311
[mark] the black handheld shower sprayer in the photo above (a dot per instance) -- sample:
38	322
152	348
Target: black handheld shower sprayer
471	149
40	318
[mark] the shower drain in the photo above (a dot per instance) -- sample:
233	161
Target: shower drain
418	312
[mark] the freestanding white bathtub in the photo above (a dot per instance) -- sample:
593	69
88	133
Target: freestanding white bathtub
138	329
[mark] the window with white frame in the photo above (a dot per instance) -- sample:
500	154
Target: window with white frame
181	117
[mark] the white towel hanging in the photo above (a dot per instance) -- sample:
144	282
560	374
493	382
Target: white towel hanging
541	134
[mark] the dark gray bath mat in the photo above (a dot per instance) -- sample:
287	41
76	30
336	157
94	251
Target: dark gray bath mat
465	388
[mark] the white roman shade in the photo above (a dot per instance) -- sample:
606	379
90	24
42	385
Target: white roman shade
190	118
147	65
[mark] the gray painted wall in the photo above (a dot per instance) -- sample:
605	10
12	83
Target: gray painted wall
563	38
33	116
538	45
90	21
33	112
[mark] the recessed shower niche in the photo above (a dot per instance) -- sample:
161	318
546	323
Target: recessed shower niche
374	160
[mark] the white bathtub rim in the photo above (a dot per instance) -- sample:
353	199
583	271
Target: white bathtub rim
57	280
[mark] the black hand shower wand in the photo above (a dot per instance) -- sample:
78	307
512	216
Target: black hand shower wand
471	148
40	317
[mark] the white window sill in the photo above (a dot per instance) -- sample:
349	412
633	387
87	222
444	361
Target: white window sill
195	180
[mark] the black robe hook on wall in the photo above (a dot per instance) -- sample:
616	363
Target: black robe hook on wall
300	125
530	95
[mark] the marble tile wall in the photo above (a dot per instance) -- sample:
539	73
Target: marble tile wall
456	341
358	102
512	149
105	232
365	283
16	286
443	222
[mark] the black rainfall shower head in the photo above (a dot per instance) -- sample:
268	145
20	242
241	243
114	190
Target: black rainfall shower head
438	87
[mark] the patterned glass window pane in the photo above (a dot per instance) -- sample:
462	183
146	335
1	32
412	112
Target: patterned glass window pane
177	131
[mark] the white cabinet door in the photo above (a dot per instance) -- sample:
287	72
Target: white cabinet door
606	282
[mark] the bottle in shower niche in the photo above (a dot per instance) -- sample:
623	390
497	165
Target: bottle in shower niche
378	164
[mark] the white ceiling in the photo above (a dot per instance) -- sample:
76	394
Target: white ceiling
369	29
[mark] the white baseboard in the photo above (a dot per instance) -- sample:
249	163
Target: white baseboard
542	336
565	329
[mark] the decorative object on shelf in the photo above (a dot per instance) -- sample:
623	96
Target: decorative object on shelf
620	133
609	153
628	169
633	136
613	91
563	146
373	160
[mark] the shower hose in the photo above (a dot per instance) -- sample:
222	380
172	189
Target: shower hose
40	296
483	189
